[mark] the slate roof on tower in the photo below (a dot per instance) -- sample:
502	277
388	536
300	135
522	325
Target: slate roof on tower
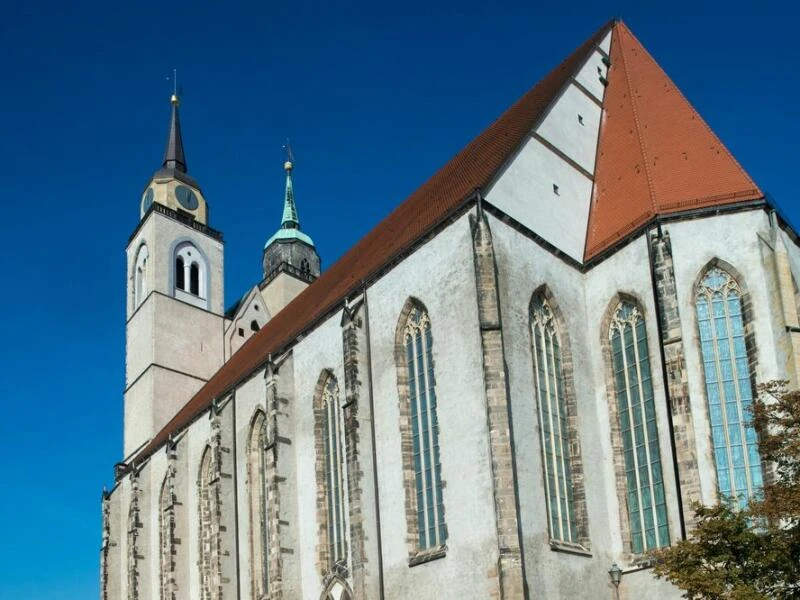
655	156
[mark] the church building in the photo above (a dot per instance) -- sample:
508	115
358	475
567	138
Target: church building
525	374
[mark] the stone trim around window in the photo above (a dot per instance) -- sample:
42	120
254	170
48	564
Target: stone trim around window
416	555
583	544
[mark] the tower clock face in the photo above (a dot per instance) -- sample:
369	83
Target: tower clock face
147	200
186	197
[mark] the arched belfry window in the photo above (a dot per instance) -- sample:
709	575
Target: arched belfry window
419	428
190	275
257	492
332	478
638	428
729	385
140	276
554	422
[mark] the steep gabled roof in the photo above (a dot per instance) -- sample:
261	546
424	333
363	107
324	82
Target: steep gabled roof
655	155
421	212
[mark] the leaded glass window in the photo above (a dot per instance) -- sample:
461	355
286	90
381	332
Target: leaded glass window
259	525
647	510
553	422
209	529
335	481
424	430
728	386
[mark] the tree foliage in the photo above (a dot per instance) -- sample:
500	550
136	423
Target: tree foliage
751	554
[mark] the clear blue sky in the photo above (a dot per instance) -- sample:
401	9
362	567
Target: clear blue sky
374	99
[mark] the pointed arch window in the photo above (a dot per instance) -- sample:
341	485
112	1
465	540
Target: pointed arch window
331	446
424	429
553	422
646	501
729	385
209	529
259	525
140	276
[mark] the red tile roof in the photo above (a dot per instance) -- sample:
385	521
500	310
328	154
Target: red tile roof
656	155
647	117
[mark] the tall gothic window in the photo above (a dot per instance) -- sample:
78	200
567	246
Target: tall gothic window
728	385
209	529
259	527
553	422
166	534
647	511
418	343
334	480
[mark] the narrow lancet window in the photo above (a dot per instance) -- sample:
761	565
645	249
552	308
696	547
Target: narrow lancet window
333	445
209	529
553	422
418	343
647	511
259	527
194	279
180	276
166	533
728	386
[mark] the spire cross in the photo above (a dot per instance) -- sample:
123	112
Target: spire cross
289	155
174	78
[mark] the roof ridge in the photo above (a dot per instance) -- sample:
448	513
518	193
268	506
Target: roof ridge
634	107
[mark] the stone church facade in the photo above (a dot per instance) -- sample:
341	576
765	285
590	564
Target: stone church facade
526	373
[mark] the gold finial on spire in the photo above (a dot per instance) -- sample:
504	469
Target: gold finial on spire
289	164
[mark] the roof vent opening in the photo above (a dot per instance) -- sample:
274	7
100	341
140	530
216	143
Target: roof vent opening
607	61
555	190
580	119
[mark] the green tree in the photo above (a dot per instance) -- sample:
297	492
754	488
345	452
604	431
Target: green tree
751	554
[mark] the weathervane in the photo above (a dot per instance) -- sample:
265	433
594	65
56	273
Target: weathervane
175	88
289	164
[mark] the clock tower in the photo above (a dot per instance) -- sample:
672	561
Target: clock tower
175	299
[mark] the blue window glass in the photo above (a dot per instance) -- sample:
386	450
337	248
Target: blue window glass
729	387
553	423
424	430
647	510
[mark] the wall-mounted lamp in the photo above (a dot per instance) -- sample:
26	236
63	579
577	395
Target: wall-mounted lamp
615	573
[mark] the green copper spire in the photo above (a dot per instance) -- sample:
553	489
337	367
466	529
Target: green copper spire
290	220
290	224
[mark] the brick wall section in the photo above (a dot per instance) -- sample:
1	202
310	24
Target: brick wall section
677	378
352	324
509	570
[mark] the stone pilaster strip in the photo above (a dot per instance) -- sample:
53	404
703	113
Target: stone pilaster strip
509	568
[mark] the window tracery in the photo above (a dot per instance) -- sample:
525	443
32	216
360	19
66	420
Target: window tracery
553	422
259	524
644	481
729	386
